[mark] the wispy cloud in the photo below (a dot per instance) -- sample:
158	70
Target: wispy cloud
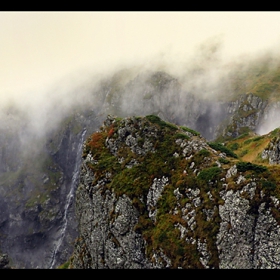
51	61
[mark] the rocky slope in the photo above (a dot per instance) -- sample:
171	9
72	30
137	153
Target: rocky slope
37	223
39	173
156	195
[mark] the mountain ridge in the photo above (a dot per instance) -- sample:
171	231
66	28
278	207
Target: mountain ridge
237	111
156	195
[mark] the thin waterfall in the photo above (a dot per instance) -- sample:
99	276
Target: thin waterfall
69	199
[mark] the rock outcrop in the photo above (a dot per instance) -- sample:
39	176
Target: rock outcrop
156	195
272	152
4	261
38	171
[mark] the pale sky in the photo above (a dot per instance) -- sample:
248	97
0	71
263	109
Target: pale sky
39	48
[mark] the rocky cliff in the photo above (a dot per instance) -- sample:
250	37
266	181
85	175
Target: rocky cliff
37	221
39	172
153	194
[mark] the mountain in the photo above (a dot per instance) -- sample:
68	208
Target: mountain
156	195
40	170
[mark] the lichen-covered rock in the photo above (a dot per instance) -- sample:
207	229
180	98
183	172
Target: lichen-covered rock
170	205
36	173
272	152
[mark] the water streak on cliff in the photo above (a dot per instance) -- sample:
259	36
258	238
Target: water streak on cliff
69	200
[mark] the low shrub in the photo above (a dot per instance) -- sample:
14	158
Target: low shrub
190	130
244	166
209	174
160	122
220	147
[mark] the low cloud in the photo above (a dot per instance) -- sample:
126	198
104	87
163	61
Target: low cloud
206	72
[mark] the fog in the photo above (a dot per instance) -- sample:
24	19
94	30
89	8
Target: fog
51	61
52	64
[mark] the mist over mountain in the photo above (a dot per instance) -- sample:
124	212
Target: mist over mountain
42	133
205	75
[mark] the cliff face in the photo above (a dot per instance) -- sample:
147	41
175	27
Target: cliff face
272	151
247	113
156	195
38	183
37	221
226	114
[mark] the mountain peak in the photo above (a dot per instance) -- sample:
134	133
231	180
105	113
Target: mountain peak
153	194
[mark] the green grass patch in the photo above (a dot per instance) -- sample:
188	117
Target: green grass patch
190	130
223	160
157	120
204	153
182	136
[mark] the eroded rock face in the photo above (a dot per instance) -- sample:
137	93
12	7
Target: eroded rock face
37	223
33	191
272	152
248	238
4	261
190	212
246	112
108	238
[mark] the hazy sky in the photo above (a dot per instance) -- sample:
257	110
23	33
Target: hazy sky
39	48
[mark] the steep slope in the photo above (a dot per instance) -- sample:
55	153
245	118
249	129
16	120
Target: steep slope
242	96
37	223
38	174
259	149
156	195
